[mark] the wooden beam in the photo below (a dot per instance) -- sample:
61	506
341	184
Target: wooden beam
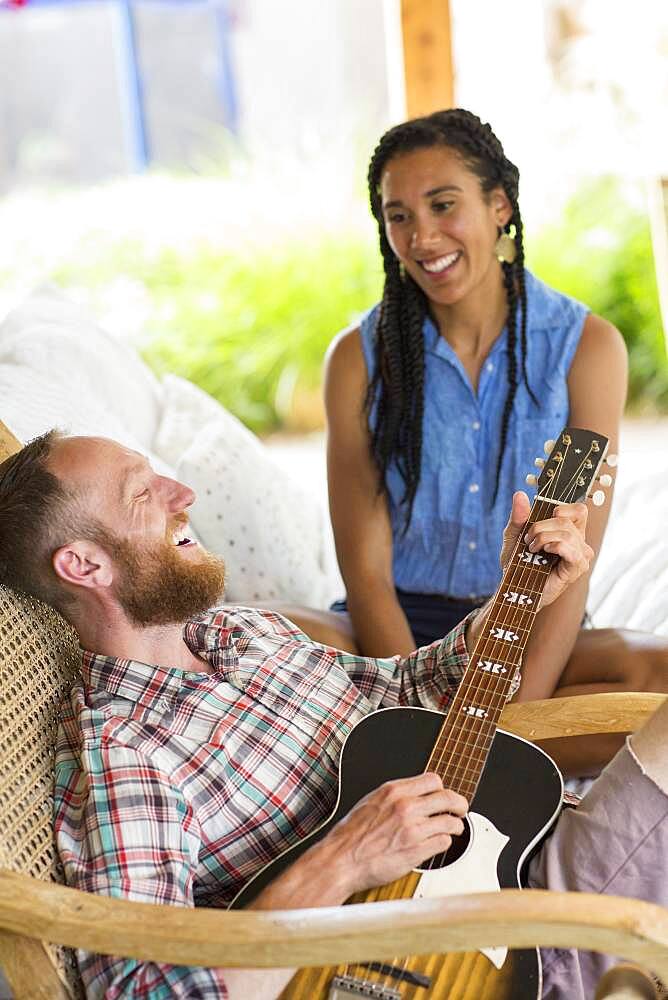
357	932
578	715
428	70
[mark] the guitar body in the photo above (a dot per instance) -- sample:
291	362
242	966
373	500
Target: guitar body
517	801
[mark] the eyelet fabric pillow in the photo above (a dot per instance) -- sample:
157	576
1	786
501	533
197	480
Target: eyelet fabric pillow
272	530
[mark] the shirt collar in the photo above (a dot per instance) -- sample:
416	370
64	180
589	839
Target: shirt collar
208	635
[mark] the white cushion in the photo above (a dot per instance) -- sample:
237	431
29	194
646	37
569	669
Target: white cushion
270	529
630	581
89	374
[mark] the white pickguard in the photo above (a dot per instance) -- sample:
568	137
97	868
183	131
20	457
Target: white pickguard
475	871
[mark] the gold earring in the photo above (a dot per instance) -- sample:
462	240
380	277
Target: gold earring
402	271
505	248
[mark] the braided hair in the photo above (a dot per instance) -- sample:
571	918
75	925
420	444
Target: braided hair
397	385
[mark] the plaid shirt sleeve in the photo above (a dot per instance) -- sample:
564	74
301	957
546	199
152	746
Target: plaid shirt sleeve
141	843
428	677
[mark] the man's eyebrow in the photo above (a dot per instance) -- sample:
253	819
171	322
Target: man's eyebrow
427	194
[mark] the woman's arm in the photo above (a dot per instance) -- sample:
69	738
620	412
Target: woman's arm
360	518
597	393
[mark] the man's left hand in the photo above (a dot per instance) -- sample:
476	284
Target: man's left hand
562	535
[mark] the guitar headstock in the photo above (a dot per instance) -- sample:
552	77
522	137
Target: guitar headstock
572	466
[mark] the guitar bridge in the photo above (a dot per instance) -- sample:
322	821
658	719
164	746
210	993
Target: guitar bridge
343	987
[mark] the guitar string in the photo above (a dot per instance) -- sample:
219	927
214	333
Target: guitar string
512	616
438	762
500	683
480	683
508	615
488	648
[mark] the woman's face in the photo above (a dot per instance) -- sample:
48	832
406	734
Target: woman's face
440	225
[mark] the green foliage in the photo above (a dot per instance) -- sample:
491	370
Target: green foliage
601	253
250	328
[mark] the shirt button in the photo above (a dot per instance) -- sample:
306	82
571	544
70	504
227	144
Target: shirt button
476	425
473	597
489	366
473	488
472	546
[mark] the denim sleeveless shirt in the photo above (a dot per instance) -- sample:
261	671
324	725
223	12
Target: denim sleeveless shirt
453	541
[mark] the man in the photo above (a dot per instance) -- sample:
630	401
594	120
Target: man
199	744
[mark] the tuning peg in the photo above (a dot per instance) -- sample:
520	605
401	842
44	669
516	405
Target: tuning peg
598	498
605	480
611	460
539	463
531	480
548	446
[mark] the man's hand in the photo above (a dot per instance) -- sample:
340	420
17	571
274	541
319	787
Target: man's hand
394	829
562	535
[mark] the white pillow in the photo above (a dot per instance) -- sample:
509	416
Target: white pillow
630	580
271	531
90	371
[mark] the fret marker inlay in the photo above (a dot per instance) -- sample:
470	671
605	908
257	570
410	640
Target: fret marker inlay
534	558
503	633
514	598
479	713
491	667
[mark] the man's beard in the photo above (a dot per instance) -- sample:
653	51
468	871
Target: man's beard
157	586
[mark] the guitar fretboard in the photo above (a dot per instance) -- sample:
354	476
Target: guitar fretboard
464	742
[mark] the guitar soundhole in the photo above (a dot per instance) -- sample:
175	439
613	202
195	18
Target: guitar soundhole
457	849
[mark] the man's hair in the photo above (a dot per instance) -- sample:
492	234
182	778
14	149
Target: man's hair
36	517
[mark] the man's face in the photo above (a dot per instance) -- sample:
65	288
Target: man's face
139	520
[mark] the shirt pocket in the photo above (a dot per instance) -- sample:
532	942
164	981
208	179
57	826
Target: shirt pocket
312	694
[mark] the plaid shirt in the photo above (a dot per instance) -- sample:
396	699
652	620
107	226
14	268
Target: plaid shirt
177	787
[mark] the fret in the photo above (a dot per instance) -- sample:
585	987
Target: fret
521	598
506	634
472	741
507	657
477	750
538	562
464	710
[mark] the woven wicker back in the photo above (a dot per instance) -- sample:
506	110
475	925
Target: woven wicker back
39	657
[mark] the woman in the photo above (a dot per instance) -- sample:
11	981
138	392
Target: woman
439	401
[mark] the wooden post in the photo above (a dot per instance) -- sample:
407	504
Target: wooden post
658	217
427	38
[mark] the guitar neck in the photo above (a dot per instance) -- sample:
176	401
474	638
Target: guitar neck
461	751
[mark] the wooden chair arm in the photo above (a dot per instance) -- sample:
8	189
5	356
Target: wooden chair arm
622	712
328	935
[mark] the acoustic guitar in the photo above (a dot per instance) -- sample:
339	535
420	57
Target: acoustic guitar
514	789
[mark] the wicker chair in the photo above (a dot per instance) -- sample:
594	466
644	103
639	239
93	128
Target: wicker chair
41	919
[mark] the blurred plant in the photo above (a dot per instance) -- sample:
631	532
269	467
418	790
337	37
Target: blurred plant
250	328
601	253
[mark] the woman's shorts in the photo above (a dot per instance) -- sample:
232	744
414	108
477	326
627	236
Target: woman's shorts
430	616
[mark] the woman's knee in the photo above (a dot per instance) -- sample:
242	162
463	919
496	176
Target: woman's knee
625	659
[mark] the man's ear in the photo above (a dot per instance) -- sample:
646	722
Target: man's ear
83	564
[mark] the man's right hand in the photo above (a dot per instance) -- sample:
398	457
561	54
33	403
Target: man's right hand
394	829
